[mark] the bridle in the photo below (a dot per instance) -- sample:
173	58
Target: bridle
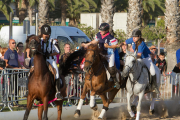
36	46
91	62
131	69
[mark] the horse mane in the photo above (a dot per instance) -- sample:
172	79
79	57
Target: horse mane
64	67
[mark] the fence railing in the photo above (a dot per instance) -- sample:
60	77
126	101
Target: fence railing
14	84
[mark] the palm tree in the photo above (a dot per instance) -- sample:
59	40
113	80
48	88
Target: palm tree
107	13
152	9
5	8
63	7
75	7
22	5
172	26
134	16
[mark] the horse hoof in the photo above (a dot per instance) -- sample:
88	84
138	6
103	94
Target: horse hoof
133	108
151	112
77	114
95	107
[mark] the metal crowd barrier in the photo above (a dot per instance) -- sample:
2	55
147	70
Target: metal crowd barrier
14	83
13	86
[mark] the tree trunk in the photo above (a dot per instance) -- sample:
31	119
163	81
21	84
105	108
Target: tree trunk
134	16
172	26
30	14
43	13
107	13
22	11
72	22
63	6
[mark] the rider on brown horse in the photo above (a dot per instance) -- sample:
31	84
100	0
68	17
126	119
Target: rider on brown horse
50	50
107	43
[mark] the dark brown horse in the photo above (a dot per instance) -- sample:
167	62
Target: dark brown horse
96	81
41	84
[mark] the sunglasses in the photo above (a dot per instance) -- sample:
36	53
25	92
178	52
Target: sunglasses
13	43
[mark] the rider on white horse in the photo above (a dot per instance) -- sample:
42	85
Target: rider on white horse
143	53
108	43
50	49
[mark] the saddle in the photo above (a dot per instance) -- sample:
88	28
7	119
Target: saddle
51	69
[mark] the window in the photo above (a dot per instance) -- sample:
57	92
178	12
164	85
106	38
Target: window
79	39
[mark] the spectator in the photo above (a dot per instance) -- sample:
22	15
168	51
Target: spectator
153	50
11	59
21	54
2	52
67	49
11	56
161	63
122	56
153	58
176	69
27	55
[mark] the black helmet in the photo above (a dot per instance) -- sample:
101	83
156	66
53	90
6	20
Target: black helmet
104	27
136	33
46	29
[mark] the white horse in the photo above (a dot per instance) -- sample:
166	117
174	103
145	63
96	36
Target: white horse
138	80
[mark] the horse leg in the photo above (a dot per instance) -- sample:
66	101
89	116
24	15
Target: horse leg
40	111
139	105
105	106
129	104
59	108
45	105
111	95
29	106
151	111
92	101
77	112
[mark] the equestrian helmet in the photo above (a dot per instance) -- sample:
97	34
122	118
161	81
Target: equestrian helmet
104	27
46	29
136	33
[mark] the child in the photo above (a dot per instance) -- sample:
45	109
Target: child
161	63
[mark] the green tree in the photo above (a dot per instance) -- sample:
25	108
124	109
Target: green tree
75	7
5	8
152	9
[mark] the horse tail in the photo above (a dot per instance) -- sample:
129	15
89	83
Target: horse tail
64	68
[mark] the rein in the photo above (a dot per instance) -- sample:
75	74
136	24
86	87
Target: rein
90	66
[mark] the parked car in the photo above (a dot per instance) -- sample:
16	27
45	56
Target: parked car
62	33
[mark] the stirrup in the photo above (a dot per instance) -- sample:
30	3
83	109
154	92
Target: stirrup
58	96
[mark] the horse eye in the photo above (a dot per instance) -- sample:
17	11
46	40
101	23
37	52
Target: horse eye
133	61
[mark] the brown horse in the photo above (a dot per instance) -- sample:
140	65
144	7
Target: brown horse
41	84
96	81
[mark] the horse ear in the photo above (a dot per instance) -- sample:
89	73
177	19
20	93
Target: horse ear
135	53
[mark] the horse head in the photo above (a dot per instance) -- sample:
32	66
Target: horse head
33	43
129	63
90	56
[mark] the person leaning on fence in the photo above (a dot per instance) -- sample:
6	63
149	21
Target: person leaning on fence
176	69
11	60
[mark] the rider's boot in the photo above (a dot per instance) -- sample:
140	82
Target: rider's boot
113	71
58	87
154	84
